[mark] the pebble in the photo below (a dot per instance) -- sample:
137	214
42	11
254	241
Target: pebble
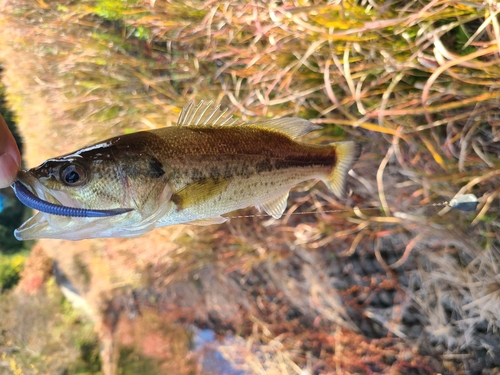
415	332
386	297
410	317
339	284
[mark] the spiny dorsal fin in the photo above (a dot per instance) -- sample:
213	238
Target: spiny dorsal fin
291	126
204	114
276	206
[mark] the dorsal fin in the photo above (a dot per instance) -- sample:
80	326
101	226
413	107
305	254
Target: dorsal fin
291	126
204	114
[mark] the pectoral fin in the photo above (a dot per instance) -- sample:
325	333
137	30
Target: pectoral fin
276	206
199	192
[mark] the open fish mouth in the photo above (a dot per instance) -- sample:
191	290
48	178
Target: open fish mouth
29	199
61	216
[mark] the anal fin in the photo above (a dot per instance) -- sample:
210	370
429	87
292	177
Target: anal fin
276	206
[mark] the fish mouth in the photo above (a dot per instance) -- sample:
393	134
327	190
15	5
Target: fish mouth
59	216
31	200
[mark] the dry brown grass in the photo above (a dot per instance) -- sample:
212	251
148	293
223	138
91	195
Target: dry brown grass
416	82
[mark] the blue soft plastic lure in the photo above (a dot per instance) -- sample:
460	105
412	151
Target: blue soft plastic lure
29	199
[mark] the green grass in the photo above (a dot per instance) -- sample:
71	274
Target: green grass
43	334
10	270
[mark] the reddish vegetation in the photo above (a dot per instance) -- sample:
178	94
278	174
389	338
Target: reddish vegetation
37	270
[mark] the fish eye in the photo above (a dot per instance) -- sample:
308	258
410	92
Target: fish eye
73	175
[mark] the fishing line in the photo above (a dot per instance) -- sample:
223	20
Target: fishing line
462	202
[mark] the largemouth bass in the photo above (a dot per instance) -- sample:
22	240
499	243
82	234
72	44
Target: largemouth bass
207	165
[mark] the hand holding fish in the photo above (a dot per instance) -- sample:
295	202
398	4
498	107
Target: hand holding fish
10	158
206	166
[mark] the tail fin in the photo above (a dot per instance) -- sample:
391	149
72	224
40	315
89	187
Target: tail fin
346	155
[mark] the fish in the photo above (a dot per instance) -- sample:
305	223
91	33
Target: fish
205	166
